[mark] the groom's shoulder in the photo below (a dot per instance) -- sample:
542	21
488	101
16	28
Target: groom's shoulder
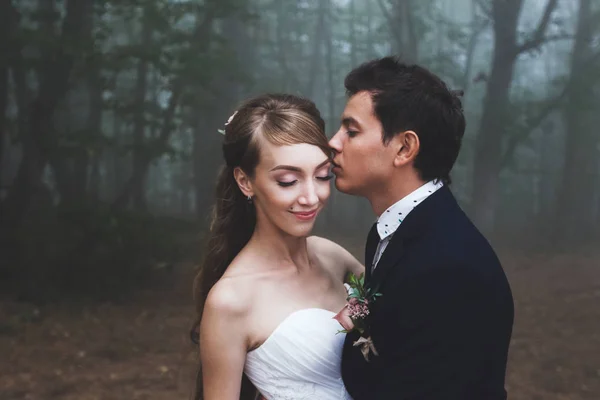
457	227
458	239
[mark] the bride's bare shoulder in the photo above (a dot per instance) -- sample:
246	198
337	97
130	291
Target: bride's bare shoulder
333	256
232	295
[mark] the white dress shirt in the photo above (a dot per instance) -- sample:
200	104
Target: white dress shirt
390	220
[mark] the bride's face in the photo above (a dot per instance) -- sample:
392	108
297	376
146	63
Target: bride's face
291	186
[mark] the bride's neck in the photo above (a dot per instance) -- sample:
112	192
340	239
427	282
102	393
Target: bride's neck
271	242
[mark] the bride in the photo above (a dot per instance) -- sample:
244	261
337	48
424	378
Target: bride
267	292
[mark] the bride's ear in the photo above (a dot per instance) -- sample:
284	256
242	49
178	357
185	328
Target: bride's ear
243	182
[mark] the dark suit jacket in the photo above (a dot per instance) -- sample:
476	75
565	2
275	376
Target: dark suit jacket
443	325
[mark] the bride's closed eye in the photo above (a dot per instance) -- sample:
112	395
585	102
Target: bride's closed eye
327	170
290	183
287	184
325	178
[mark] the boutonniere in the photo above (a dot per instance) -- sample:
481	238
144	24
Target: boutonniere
354	317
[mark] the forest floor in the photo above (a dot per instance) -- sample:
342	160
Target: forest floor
140	349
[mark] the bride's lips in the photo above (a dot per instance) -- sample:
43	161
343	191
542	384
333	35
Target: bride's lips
306	215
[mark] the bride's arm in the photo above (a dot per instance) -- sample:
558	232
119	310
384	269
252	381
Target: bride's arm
223	343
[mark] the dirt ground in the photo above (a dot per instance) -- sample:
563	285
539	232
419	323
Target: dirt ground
140	350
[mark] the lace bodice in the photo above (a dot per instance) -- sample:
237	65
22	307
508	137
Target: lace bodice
301	359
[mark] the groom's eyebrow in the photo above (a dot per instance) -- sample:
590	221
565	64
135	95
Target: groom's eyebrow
347	121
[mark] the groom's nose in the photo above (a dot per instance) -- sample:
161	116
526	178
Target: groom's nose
335	142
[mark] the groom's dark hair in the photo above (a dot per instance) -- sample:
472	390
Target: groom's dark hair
409	97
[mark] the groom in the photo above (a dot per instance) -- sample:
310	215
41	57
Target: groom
443	324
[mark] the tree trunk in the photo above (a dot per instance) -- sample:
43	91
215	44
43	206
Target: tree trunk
370	53
313	72
488	145
489	140
5	50
352	28
477	27
407	23
287	79
5	43
81	162
331	98
94	127
139	124
212	118
116	164
154	149
39	139
402	25
71	170
3	106
575	203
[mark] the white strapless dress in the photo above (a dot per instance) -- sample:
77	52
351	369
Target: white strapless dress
301	359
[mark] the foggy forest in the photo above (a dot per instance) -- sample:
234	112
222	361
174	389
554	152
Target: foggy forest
110	112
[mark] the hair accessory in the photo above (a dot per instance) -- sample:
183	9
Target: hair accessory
222	131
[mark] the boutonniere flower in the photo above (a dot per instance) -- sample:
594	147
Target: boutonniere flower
354	317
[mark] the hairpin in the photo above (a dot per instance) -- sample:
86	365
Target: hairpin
222	131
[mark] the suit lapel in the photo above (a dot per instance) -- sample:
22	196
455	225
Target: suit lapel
388	260
370	248
413	225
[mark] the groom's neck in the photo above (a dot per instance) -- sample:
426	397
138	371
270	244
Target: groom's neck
393	191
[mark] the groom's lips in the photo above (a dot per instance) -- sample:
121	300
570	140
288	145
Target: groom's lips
335	166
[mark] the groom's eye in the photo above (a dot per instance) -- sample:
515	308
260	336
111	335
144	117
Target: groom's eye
351	133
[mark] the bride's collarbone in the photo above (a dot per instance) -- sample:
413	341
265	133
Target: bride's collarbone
274	303
306	286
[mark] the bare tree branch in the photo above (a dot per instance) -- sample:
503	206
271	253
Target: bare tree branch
538	35
486	7
515	140
533	44
535	122
476	30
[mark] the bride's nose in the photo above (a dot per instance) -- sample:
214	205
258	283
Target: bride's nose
309	196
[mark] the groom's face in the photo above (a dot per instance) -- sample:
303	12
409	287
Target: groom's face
362	162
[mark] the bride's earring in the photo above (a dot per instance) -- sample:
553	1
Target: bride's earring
249	199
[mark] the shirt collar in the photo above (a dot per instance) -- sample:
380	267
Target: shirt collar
391	218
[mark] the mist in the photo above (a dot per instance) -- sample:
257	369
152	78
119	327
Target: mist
110	114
